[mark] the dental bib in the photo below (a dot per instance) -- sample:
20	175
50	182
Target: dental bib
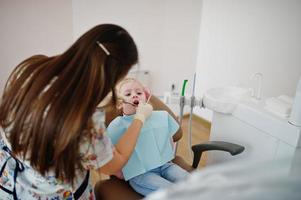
154	144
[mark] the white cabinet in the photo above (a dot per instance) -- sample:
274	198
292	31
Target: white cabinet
263	135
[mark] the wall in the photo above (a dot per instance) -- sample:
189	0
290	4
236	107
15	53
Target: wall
166	33
239	38
236	38
32	27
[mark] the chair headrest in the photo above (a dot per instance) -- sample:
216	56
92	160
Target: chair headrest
113	112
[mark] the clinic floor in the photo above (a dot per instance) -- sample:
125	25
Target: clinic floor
200	133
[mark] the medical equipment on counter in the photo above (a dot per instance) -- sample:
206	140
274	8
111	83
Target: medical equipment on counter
239	119
259	87
182	100
182	104
190	116
144	76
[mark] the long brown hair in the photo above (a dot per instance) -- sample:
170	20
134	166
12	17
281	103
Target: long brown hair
48	102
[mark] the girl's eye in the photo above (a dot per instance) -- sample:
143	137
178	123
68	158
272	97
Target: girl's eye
139	93
127	94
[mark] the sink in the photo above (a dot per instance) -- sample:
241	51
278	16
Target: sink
224	99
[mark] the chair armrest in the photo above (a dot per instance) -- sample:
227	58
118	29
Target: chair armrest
198	149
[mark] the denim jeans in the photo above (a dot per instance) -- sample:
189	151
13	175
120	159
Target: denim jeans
157	178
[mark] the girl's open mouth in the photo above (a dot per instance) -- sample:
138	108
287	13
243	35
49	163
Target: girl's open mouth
136	102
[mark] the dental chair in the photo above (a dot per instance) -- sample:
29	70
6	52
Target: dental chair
117	189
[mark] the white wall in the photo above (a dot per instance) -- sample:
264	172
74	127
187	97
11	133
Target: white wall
239	38
236	38
166	33
32	27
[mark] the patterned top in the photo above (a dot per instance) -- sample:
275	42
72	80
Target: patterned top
31	185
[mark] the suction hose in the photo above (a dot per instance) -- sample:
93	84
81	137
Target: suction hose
182	104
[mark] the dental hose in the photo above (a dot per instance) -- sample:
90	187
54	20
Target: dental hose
182	100
192	102
182	104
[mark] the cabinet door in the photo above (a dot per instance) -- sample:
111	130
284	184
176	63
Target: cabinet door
258	144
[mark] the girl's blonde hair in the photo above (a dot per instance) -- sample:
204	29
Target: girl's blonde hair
126	80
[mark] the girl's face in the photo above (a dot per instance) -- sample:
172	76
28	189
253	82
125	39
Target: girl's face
132	94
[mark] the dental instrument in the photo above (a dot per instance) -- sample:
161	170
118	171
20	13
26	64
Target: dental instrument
182	104
182	100
135	105
192	101
123	101
149	98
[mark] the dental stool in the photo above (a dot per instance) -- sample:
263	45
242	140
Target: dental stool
117	189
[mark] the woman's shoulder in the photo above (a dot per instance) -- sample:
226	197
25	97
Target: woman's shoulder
3	139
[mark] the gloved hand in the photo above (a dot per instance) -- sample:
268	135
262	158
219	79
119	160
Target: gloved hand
143	111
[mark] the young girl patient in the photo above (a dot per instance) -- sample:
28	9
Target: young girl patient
150	167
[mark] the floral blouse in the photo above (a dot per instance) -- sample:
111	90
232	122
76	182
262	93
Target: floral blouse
30	185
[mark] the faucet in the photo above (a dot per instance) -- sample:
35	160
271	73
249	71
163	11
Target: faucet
259	77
